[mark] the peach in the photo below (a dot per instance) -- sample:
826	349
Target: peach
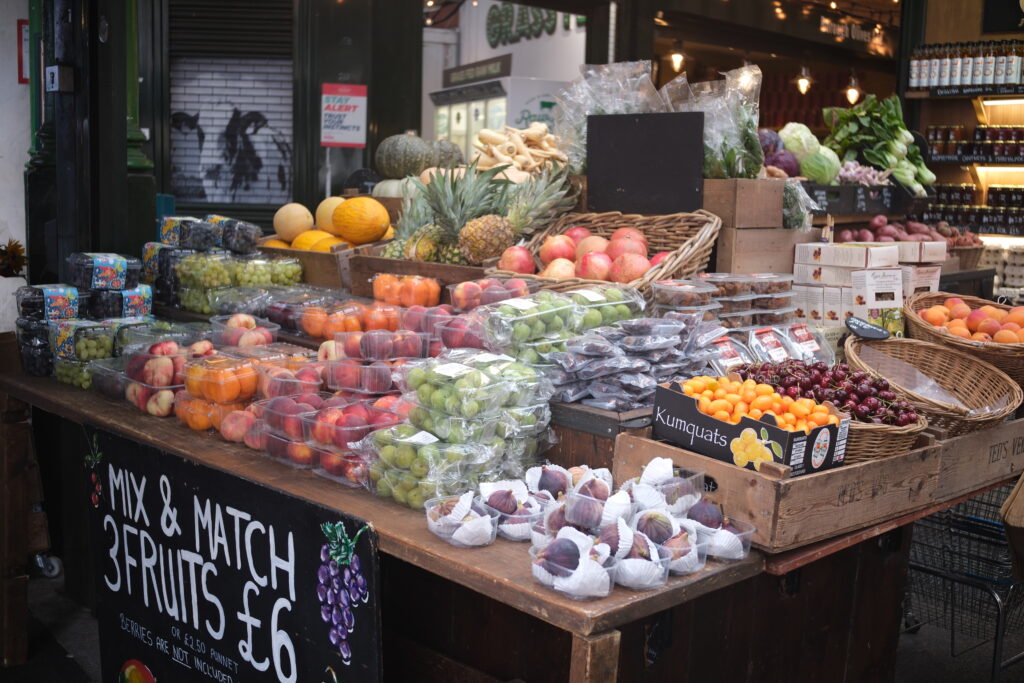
959	331
626	246
203	347
1006	337
577	233
253	338
559	269
493	292
322	427
591	244
300	454
518	260
989	326
952	301
1013	327
313	400
957	322
256	437
517	287
1020	336
629	267
959	311
330	350
466	295
236	424
1016	316
242	321
981	336
557	247
164	348
161	403
594	266
944	309
975	318
936	315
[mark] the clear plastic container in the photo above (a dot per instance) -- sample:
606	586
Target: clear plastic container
285	309
229	300
478	527
165	289
81	340
206	270
683	292
549	573
523	319
360	377
731	542
296	453
124	303
733	320
534	352
605	305
685	559
51	302
255	270
201	235
242	329
195	299
202	415
294	355
323	321
149	332
280	378
159	365
406	290
778	316
240	237
733	304
466	296
517	526
151	261
772	283
221	379
383	344
728	284
74	372
283	414
349	469
339	428
169	228
642	574
707	313
773	301
155	401
428	320
34	347
285	271
103	271
769	344
108	377
462	332
522	421
457	389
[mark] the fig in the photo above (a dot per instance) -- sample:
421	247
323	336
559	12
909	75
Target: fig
677	487
577	474
444	508
584	511
503	501
706	513
641	548
553	481
610	536
730	527
556	520
560	558
521	515
595	488
678	545
656	525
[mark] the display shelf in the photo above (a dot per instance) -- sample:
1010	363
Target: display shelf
964	93
977	159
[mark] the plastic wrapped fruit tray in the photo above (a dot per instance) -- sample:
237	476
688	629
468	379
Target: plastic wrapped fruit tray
362	377
221	379
242	329
103	271
278	378
382	344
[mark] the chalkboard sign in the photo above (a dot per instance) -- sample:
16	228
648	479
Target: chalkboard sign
204	576
645	163
865	330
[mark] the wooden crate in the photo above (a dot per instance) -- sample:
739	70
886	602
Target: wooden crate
745	203
321	268
976	460
364	265
792	512
760	250
586	436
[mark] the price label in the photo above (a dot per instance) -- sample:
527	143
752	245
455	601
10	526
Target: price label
421	439
521	304
590	295
452	369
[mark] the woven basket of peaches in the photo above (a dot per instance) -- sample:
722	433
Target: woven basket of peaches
988	331
587	248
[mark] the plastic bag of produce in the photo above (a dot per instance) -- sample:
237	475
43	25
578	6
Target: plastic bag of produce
797	206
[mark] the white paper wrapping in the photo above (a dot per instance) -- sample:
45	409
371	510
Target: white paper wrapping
688	563
639	574
683	504
588	476
475	532
625	539
590	580
617	506
520	531
445	525
673	522
656	472
725	545
646	496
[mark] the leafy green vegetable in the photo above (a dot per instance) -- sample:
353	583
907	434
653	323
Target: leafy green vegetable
799	140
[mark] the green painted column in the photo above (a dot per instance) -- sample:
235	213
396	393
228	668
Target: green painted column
42	151
137	159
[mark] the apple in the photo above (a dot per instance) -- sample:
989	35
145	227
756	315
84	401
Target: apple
161	403
330	350
466	295
629	233
591	244
518	260
203	347
659	257
577	233
594	266
242	321
628	267
625	245
559	269
557	247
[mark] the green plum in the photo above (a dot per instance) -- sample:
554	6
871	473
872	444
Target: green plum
404	456
388	455
416	377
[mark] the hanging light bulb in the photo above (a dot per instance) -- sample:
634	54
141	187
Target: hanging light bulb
833	5
430	3
677	57
803	81
429	21
853	91
475	3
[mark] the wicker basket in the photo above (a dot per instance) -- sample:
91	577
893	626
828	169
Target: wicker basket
969	256
870	441
974	383
1007	357
688	236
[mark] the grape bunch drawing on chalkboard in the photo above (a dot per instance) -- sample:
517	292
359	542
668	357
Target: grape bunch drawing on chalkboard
341	585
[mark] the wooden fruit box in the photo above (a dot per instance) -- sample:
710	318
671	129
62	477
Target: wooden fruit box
321	268
745	203
760	250
790	512
364	265
973	461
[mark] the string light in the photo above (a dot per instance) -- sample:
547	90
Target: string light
853	91
677	57
429	21
430	3
803	81
833	5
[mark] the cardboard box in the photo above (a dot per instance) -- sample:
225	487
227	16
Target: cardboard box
677	420
745	203
813	274
878	297
759	250
920	279
811	302
848	255
922	252
833	305
848	303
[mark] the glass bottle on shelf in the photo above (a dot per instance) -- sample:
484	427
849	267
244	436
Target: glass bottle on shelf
1013	64
945	63
1000	70
934	66
956	64
988	74
978	74
915	69
966	65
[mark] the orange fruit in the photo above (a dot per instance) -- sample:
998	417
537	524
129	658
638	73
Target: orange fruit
981	336
1016	316
959	331
957	322
385	287
1006	337
247	378
312	321
1020	336
1014	327
936	315
960	311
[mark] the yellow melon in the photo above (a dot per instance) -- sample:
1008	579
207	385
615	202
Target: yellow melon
389	233
291	220
307	239
360	220
326	243
279	244
324	212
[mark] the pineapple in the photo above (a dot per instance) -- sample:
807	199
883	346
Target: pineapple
425	244
394	249
531	205
455	200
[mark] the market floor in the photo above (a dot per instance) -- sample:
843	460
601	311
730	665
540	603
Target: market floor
64	646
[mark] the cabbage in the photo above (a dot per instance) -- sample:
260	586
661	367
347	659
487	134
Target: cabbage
822	167
783	159
770	141
799	140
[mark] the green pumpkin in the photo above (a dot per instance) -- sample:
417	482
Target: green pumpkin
403	155
447	154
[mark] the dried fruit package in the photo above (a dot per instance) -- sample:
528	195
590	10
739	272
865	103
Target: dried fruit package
809	344
615	405
571	361
642	344
606	366
571	392
658	327
770	344
728	353
593	344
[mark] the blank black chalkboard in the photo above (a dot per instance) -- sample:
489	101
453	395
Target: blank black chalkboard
645	163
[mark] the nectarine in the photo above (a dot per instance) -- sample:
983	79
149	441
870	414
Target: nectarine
975	318
989	326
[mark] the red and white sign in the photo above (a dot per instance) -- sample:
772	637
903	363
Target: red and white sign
23	48
343	115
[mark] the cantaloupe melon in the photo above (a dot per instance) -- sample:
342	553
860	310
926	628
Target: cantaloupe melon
325	210
326	244
291	220
279	244
307	239
360	220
